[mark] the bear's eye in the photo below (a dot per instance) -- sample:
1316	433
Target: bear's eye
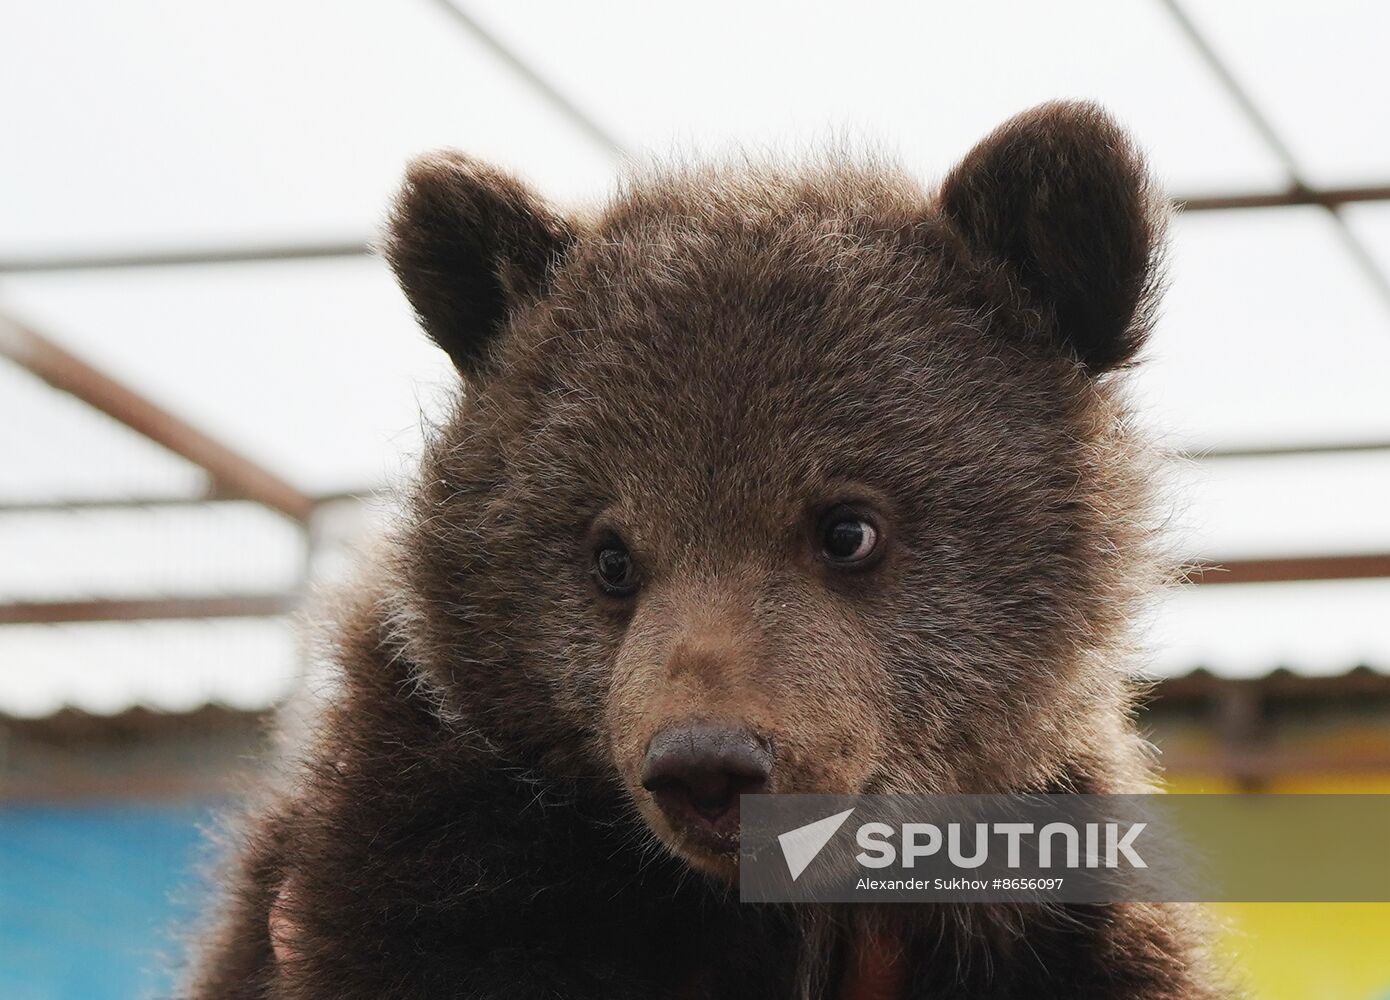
847	539
614	569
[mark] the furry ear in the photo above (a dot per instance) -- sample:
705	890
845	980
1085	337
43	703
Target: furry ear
468	244
1060	194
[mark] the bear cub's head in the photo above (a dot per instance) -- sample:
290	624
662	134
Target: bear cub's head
803	481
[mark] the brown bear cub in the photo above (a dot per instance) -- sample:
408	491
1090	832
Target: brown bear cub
759	481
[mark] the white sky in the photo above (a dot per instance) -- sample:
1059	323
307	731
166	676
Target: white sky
151	125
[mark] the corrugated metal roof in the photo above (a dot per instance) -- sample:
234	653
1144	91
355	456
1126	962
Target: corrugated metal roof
1272	333
1322	629
195	550
106	668
1319	629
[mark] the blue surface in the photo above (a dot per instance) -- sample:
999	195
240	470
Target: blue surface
92	898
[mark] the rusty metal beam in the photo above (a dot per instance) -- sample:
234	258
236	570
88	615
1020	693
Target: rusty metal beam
147	609
233	474
1294	568
1288	569
231	254
543	88
1288	451
135	503
1328	198
1351	242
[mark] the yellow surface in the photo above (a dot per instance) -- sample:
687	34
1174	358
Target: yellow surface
1305	951
1308	951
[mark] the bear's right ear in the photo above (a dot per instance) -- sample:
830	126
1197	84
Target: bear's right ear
468	244
1060	195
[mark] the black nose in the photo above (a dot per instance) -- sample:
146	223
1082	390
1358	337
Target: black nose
697	772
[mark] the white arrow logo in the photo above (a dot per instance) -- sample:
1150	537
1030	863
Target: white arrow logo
800	846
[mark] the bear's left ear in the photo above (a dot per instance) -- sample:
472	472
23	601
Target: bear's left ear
1060	194
469	244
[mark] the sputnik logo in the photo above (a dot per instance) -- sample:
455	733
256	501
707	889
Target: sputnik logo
800	846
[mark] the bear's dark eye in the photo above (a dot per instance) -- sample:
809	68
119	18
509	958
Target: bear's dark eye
613	568
847	539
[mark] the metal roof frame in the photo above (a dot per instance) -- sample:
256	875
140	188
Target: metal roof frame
234	475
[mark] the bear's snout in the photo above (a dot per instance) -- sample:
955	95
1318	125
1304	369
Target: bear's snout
696	773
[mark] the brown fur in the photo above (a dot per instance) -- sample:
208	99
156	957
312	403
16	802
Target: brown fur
701	370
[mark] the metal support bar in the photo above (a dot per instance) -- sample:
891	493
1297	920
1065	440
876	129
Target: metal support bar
1288	569
1328	198
133	503
232	473
248	254
147	609
1295	568
1237	453
104	504
552	95
1300	187
1288	451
